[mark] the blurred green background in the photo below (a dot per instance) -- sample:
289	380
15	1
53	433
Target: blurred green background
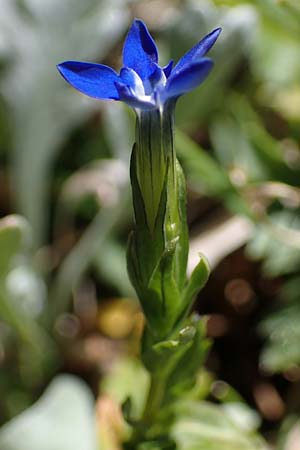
66	304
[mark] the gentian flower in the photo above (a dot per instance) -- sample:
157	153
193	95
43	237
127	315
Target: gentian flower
142	83
158	245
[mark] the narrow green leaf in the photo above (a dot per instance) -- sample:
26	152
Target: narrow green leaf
162	357
191	360
182	247
196	282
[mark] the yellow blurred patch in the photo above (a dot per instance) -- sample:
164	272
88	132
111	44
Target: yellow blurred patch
120	318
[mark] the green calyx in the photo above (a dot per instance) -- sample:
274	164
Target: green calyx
158	246
156	163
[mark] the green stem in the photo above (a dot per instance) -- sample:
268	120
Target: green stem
151	409
154	400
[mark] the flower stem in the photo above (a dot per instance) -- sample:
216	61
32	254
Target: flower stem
154	399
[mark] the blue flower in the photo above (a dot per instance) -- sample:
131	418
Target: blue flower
142	83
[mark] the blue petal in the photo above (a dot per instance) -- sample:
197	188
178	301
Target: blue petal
188	78
168	68
94	80
199	50
127	96
156	76
127	76
131	79
140	52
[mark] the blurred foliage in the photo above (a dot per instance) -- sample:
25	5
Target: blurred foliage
197	424
204	426
21	302
62	418
36	36
238	141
